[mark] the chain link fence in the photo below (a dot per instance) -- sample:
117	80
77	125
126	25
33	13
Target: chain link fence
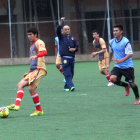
83	16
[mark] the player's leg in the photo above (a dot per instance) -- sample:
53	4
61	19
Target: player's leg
58	64
104	71
129	75
59	68
72	68
35	97
72	71
34	94
102	67
68	77
107	74
115	77
67	73
20	93
136	92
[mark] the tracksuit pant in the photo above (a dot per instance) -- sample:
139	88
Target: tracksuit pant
68	69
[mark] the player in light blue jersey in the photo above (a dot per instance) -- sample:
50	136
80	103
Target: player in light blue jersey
58	57
123	66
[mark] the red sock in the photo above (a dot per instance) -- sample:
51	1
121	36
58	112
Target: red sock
19	97
61	70
36	101
108	77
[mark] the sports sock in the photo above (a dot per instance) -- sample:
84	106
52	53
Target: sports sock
36	101
19	97
136	91
61	70
120	83
108	77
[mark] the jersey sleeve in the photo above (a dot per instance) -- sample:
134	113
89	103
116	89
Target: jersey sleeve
58	32
110	46
128	49
102	43
76	44
40	46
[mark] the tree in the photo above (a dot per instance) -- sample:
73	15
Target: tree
83	40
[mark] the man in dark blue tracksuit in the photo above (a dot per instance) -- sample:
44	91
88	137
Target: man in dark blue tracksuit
68	46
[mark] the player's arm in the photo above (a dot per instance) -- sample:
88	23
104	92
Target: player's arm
75	49
40	54
128	52
101	51
110	56
76	46
72	49
61	21
98	52
103	46
59	28
109	59
117	61
42	50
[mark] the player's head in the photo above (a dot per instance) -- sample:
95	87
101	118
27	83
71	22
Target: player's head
32	34
95	34
117	31
66	30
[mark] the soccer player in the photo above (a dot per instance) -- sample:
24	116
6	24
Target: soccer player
101	50
34	75
68	46
123	66
58	57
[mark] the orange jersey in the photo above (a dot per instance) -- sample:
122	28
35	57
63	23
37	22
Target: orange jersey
37	63
99	45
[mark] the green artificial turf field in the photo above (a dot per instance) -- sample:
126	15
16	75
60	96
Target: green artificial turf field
92	112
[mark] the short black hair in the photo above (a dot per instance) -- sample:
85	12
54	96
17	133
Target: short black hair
33	30
95	31
118	26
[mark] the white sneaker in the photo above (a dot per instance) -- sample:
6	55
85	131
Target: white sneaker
110	84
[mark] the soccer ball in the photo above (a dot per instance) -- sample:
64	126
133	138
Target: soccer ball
4	112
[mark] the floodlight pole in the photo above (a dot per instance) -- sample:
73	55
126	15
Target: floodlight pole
58	11
10	29
108	20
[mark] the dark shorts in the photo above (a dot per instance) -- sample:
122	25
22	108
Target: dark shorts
128	73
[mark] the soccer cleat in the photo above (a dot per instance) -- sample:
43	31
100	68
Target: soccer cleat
72	88
13	107
37	113
110	84
137	102
127	90
66	89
